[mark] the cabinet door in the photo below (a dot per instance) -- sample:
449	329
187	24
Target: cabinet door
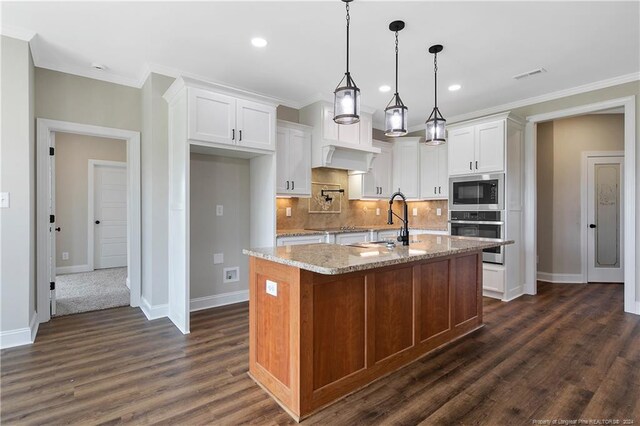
299	161
429	171
329	127
256	125
443	171
461	151
283	184
349	133
352	238
382	167
489	147
406	162
211	117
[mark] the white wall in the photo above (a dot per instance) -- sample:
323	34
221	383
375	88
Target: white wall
17	176
218	181
559	205
73	153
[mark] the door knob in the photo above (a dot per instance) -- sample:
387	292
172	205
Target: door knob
593	225
97	222
58	229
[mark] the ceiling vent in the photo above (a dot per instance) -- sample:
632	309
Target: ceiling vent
529	73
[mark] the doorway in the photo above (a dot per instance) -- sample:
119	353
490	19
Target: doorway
88	218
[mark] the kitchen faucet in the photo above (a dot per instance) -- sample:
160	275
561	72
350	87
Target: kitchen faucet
404	231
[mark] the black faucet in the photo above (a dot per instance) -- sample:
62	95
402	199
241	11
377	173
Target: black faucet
404	231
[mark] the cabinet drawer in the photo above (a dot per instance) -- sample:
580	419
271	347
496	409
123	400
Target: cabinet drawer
293	241
493	277
352	238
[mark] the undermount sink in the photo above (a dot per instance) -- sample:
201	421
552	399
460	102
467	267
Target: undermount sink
370	244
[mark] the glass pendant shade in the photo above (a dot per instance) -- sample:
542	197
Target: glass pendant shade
395	118
346	104
435	134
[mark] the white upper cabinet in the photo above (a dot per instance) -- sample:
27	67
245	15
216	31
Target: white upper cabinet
406	166
434	174
224	119
293	159
377	183
477	148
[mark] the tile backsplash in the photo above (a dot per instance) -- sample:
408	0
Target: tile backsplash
354	212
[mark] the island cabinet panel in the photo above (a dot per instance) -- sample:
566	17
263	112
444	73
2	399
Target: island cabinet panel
338	330
434	292
467	285
392	312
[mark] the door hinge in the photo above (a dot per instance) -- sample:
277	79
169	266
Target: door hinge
52	150
52	218
52	285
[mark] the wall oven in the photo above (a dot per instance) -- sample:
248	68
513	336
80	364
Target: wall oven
483	224
479	192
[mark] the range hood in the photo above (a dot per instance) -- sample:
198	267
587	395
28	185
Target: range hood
346	157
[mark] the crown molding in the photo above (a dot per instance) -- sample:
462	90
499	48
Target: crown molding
17	33
602	84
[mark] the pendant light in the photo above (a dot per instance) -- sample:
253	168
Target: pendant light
395	114
436	122
346	103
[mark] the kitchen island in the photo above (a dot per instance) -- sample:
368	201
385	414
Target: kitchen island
326	320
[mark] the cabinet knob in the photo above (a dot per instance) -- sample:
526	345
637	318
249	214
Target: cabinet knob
97	222
593	225
58	229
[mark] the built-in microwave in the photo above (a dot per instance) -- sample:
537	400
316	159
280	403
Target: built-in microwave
478	192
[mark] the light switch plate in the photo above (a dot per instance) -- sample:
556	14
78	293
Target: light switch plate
438	212
218	258
219	210
4	200
377	211
272	288
288	211
65	255
415	211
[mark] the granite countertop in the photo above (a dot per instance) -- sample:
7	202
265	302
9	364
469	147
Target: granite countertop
334	259
302	232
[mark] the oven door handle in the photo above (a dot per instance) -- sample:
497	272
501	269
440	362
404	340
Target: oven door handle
476	222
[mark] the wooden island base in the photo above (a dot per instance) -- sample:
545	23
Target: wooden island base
322	337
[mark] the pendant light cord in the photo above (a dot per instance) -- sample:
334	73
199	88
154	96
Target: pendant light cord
396	63
348	21
435	78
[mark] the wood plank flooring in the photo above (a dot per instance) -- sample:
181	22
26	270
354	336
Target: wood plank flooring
568	353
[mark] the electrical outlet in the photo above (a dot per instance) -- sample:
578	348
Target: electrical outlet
438	212
218	258
219	210
272	288
415	211
4	200
65	255
231	274
377	211
288	211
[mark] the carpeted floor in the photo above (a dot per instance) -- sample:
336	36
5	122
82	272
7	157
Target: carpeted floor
91	291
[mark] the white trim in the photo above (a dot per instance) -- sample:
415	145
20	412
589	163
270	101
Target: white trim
73	269
596	85
153	312
17	33
20	336
91	205
584	206
45	130
560	278
216	300
530	222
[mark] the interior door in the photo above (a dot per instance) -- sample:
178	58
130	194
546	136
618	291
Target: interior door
604	218
110	215
52	228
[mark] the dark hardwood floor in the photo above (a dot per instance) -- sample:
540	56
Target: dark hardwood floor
568	353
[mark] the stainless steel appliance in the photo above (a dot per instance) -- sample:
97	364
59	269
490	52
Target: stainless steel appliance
478	192
484	224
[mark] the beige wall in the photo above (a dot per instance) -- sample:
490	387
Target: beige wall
225	181
564	146
354	212
73	153
288	114
17	176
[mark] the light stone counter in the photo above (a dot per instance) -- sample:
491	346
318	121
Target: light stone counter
334	259
303	232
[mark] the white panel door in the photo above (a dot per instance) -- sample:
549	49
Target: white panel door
110	216
211	117
283	184
489	147
605	221
429	171
299	161
461	151
256	125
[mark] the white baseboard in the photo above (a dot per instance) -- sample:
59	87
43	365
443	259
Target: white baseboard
73	269
153	312
492	294
560	278
128	283
20	336
513	294
219	300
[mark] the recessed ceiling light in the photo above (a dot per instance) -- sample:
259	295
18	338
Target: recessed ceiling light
454	87
384	88
98	66
258	42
